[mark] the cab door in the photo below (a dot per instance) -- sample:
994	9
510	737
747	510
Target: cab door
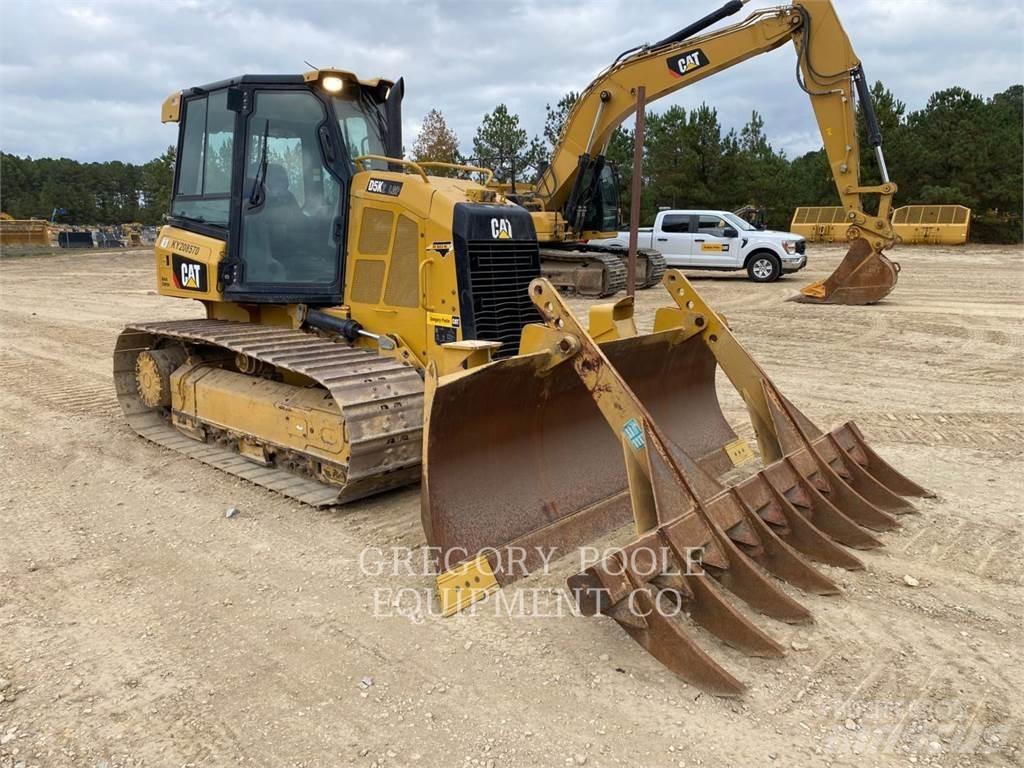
714	242
673	237
292	203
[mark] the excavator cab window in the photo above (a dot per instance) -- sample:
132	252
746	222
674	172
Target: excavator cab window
603	206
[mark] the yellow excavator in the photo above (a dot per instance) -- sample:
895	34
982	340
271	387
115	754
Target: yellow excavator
578	191
367	325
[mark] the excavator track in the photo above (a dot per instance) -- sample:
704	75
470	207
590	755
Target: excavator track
380	401
576	270
590	273
654	268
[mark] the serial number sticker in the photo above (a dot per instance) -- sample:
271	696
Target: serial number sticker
634	434
443	320
739	451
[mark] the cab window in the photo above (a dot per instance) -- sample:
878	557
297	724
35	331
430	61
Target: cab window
203	189
712	225
361	125
675	223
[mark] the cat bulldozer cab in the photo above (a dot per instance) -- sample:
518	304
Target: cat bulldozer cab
366	325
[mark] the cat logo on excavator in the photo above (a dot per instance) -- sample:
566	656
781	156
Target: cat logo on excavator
685	62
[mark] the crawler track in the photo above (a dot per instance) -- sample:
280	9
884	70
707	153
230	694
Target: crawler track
381	402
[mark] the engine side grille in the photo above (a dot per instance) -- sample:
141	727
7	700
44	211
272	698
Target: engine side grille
500	272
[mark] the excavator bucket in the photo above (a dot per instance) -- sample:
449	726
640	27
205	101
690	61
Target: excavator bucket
864	276
528	459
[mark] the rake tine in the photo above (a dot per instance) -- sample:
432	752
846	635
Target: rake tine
862	481
790	523
804	536
663	637
855	506
851	440
795	440
711	611
778	558
823	514
737	573
609	588
827	517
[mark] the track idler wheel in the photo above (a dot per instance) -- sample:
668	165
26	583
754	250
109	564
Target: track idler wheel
153	369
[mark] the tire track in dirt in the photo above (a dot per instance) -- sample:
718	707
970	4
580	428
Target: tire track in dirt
52	384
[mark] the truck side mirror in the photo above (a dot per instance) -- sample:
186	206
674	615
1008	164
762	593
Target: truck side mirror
730	232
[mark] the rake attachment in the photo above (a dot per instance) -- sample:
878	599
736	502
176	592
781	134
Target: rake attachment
570	440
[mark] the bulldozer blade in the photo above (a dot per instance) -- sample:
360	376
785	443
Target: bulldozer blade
530	458
516	455
864	276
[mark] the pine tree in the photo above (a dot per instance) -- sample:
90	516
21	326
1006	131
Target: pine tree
501	145
556	116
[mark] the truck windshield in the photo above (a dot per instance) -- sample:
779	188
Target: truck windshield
740	224
361	123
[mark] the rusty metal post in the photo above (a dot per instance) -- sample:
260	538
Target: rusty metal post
634	202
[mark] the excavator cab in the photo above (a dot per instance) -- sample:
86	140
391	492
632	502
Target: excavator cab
265	164
603	212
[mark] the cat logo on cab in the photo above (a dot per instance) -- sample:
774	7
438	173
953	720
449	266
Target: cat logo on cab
189	275
501	229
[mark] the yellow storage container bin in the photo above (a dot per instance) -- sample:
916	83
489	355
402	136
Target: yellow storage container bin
934	224
820	224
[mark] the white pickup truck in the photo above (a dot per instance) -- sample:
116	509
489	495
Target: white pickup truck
719	240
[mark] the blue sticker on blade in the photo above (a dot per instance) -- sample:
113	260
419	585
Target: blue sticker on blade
634	434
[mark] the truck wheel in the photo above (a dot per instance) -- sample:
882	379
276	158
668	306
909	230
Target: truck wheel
764	267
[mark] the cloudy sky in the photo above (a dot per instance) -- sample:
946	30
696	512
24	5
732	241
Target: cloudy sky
86	79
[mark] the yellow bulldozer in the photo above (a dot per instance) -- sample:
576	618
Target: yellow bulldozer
368	325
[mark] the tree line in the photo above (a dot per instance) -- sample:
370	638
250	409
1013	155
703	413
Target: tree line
86	193
959	148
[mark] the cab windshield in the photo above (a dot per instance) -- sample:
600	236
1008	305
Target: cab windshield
361	122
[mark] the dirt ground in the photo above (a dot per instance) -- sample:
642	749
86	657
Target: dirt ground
139	626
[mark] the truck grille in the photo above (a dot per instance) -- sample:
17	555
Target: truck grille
801	246
500	272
